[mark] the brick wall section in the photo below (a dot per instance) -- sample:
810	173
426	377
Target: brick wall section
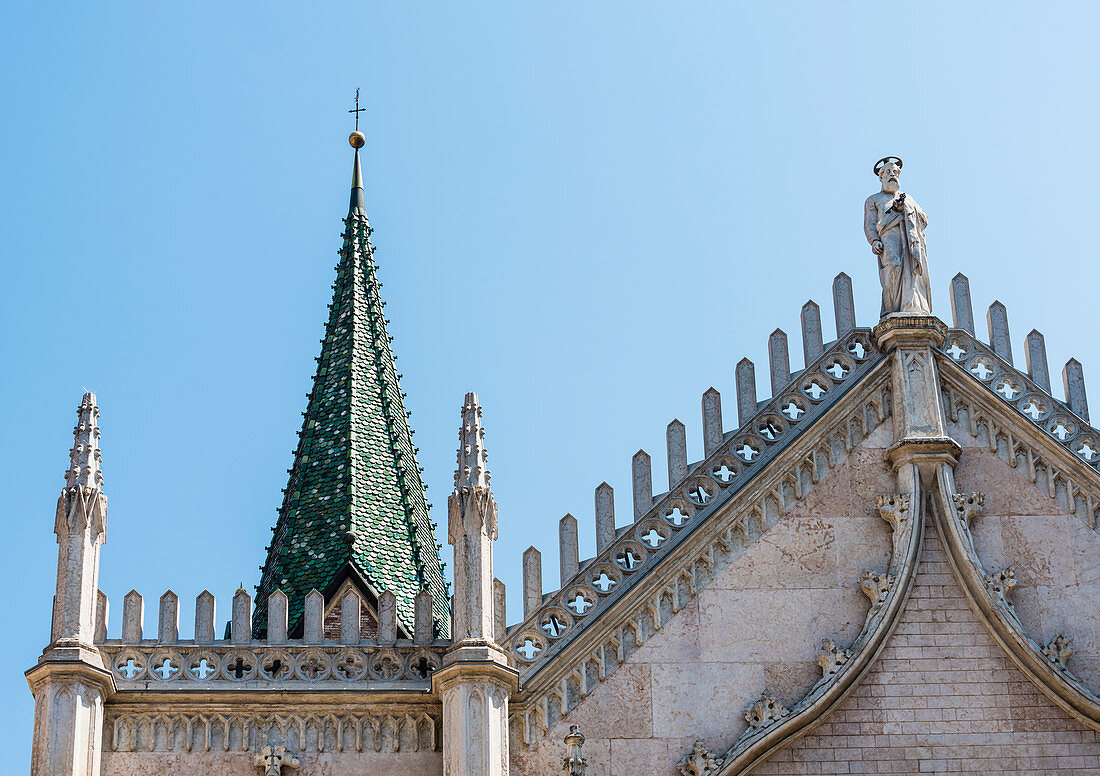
943	699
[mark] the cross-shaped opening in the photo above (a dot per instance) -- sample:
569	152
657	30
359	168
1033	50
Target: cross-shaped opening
604	582
1060	430
1034	409
129	669
239	668
1087	451
769	430
421	668
699	494
981	370
579	604
676	516
627	559
955	351
723	473
837	370
747	451
553	626
815	390
528	649
856	349
793	411
202	669
653	538
165	670
1007	389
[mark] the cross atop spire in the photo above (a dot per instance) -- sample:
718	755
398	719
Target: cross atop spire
356	110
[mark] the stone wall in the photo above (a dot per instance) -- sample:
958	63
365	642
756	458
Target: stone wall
241	763
758	624
1056	556
943	698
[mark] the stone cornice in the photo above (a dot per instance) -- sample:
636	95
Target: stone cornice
54	670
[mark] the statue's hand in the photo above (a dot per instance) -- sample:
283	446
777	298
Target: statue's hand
876	246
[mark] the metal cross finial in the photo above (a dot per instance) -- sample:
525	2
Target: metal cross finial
357	110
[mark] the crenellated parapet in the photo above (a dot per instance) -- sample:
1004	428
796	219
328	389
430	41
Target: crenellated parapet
698	489
572	639
206	664
1019	412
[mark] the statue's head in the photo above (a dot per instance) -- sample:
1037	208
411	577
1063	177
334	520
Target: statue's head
888	170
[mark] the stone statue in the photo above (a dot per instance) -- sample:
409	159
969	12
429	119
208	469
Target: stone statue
894	224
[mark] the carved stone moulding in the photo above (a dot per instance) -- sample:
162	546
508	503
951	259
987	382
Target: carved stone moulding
327	728
189	667
552	688
701	492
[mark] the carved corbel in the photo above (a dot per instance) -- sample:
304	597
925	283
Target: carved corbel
272	759
968	506
700	761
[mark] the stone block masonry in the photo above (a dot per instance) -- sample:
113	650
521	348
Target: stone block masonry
943	698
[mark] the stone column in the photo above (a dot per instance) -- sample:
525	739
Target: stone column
475	680
70	683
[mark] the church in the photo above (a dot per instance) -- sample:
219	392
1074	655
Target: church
888	565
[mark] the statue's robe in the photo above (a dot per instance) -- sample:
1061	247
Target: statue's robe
903	264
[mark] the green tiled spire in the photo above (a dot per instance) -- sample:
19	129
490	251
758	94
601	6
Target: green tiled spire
354	505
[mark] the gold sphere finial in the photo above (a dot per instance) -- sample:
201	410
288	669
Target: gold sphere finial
357	139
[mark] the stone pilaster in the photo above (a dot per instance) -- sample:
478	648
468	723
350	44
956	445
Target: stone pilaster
69	683
475	680
920	426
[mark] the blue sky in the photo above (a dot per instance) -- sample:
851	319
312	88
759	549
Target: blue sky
586	212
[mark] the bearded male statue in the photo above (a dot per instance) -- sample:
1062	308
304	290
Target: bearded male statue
894	224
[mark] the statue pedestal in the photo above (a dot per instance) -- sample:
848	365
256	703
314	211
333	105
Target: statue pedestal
920	426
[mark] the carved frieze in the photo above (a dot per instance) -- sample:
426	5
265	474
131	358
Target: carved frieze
321	730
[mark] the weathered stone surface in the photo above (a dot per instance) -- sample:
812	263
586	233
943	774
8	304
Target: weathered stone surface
942	698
